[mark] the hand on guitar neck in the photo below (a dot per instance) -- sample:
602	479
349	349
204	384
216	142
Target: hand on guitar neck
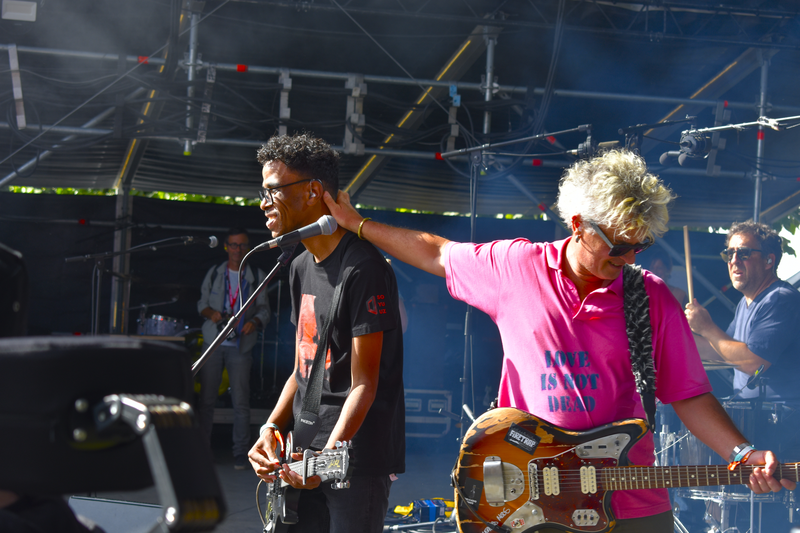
763	478
271	460
306	470
293	478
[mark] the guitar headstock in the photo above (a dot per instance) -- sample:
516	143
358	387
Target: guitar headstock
331	464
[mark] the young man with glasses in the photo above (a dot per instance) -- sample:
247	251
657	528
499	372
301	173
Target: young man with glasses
362	388
220	298
764	333
559	309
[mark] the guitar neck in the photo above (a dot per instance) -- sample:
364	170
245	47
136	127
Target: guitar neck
655	477
325	466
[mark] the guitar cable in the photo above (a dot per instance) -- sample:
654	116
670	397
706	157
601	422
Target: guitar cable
493	527
261	515
258	505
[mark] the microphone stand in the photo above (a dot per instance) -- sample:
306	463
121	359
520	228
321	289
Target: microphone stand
283	260
98	270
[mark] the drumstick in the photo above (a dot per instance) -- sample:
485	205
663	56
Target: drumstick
688	253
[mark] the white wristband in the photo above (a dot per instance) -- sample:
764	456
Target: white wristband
267	426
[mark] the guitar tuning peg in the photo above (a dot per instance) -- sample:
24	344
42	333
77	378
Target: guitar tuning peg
340	485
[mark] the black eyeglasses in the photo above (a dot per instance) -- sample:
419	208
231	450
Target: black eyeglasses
266	194
237	246
743	252
617	250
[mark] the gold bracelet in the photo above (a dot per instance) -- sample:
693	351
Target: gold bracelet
361	226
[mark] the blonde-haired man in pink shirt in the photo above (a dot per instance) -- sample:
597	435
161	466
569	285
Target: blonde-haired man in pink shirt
559	308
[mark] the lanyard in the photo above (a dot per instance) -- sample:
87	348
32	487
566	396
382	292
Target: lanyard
232	298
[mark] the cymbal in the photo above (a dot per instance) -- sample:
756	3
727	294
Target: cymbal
717	365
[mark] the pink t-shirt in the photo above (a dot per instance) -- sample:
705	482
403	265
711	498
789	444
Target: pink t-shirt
567	361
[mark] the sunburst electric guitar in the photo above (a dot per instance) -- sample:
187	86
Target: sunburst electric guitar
282	498
517	473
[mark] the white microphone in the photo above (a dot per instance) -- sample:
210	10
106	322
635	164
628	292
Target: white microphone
211	240
326	225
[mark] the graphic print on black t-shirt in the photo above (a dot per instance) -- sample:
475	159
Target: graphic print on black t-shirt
308	337
368	305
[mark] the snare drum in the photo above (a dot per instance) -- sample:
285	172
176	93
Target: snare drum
161	326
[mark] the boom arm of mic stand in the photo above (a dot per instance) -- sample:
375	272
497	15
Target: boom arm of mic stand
148	246
283	260
482	147
644	127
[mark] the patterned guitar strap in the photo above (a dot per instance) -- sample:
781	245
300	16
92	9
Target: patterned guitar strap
640	338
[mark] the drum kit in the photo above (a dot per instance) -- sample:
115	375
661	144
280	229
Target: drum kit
769	424
160	326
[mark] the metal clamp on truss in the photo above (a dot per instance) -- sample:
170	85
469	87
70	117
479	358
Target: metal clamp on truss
285	112
354	118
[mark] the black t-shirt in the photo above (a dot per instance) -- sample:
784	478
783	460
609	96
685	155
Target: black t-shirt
369	303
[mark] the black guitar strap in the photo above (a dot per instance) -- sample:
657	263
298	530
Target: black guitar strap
307	423
640	338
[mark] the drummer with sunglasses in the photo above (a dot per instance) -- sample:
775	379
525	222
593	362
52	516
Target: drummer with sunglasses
763	339
764	336
559	308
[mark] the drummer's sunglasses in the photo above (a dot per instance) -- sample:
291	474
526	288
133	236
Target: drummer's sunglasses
621	249
743	252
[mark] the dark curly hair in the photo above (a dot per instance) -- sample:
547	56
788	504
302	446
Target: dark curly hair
304	154
768	238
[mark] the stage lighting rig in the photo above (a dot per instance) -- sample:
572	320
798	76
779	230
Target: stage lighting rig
589	148
696	144
693	145
634	135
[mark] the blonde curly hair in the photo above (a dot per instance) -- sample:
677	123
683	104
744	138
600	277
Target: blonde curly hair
615	190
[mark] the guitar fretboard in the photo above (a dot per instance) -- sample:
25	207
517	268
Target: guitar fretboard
655	477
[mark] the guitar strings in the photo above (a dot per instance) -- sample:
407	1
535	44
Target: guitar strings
637	477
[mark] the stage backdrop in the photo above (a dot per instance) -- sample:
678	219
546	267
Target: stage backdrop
49	228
